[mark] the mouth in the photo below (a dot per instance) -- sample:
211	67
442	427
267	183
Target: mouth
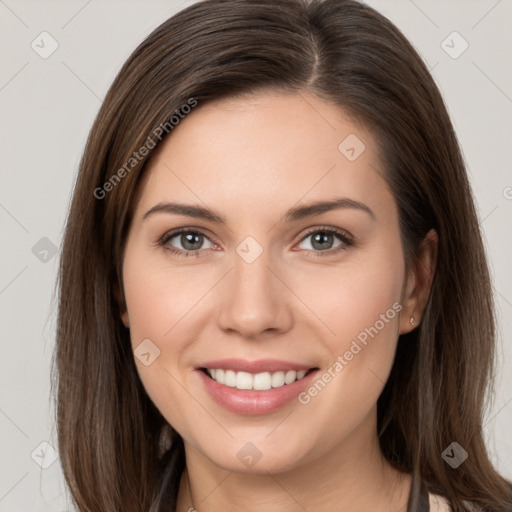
254	387
262	381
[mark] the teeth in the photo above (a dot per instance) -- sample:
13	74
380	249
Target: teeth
230	378
243	380
277	379
290	377
262	381
258	382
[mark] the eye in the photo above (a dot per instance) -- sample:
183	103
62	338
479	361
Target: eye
324	238
191	242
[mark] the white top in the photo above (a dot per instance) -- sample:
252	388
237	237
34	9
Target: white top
440	504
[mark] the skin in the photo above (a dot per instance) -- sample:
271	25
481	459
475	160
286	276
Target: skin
251	159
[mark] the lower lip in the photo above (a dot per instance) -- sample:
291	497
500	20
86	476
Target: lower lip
251	402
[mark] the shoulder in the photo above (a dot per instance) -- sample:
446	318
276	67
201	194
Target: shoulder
440	504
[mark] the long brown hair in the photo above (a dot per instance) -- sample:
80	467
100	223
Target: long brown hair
109	431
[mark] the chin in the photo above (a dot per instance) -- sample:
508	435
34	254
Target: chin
258	457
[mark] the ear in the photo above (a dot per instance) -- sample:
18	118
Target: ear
418	283
122	304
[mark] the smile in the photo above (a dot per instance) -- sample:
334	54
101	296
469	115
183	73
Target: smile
257	382
254	387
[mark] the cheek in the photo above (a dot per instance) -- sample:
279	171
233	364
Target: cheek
164	303
351	296
360	304
161	299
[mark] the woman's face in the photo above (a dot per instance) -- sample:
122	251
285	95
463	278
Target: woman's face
272	288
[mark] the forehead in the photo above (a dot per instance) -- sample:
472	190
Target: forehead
247	153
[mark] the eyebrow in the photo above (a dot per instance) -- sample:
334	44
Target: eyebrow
293	214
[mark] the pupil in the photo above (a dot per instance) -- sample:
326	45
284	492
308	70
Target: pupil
189	240
321	238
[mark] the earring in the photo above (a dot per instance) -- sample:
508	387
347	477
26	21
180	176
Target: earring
411	320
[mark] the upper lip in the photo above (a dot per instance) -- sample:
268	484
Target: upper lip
261	365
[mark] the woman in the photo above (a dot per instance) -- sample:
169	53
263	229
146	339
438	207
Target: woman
273	288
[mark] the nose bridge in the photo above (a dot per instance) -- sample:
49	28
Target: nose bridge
251	274
254	301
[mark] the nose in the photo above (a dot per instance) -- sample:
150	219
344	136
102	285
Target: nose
256	301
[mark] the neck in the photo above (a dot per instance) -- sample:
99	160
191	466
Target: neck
352	476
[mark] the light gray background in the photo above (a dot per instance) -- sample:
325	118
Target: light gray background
47	108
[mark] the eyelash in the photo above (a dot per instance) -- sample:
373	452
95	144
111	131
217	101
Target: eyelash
344	237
